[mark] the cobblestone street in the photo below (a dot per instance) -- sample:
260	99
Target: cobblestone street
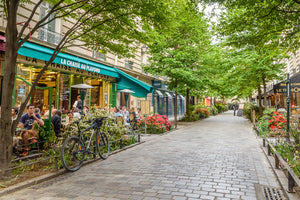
216	158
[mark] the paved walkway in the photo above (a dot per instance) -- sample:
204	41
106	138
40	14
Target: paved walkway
217	158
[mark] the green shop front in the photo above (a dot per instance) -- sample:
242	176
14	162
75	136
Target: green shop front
55	86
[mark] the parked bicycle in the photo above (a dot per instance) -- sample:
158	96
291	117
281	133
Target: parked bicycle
75	148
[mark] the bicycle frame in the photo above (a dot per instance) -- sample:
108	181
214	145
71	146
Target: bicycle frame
80	132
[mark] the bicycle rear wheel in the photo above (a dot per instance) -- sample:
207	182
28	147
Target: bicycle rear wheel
102	144
72	153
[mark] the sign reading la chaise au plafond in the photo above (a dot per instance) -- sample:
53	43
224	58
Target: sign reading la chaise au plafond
68	66
79	65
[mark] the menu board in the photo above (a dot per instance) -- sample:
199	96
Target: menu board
145	107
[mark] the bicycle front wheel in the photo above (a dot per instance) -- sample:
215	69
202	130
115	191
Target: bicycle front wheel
72	153
102	144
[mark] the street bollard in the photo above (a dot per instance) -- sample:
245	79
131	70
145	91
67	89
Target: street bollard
269	150
94	155
276	162
121	144
139	137
56	163
264	142
291	183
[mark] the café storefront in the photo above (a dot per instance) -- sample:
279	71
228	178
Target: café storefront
55	86
280	90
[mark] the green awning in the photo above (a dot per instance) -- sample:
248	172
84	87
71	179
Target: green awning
126	81
43	53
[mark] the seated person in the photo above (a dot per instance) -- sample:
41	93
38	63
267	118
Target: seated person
118	113
14	113
76	114
56	121
69	118
46	115
132	117
119	117
27	121
86	111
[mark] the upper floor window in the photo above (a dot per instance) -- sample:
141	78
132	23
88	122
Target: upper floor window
99	55
128	64
144	50
50	31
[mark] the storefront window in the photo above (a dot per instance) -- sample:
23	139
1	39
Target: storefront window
22	88
22	91
64	93
41	97
75	91
87	93
106	94
24	72
96	93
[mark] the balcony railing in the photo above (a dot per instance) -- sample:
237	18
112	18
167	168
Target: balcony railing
50	36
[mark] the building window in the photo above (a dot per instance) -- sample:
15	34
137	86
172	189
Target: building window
128	64
48	32
99	55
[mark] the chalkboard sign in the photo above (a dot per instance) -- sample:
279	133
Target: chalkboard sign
145	107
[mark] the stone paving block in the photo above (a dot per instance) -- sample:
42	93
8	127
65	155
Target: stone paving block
206	197
179	198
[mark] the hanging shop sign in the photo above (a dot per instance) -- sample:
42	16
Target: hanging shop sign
156	84
295	85
63	68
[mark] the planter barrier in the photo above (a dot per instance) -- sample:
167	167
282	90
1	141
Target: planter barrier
57	158
293	180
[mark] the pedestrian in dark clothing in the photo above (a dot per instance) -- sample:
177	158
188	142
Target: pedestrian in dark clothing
234	107
56	121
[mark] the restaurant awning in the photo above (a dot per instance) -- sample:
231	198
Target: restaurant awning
125	81
295	85
160	94
43	53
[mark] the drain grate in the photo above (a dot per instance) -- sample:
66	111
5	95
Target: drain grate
269	193
273	193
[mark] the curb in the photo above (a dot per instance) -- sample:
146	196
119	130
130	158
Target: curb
52	175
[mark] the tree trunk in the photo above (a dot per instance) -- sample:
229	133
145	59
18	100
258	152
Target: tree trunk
187	102
259	101
8	83
265	92
175	110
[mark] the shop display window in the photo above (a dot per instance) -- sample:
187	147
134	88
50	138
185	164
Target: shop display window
40	97
22	91
96	93
64	92
75	91
22	88
87	93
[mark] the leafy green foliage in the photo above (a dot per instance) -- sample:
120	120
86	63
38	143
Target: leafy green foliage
177	52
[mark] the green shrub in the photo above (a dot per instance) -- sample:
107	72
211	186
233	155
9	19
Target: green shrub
247	110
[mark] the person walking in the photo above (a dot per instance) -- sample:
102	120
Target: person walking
234	107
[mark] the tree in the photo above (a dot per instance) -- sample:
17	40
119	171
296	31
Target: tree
177	51
251	69
108	25
272	22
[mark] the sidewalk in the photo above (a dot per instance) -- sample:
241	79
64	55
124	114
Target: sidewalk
216	158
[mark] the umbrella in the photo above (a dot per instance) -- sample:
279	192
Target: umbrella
82	86
127	91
